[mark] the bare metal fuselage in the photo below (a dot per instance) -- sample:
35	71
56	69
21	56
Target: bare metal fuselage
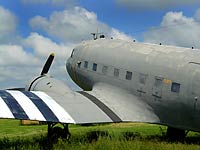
166	78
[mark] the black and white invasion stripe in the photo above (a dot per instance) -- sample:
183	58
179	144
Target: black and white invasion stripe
111	114
34	105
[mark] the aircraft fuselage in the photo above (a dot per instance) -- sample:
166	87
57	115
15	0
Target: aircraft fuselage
165	77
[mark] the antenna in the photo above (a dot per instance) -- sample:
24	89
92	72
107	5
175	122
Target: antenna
95	35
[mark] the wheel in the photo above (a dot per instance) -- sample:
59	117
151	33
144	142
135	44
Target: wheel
175	134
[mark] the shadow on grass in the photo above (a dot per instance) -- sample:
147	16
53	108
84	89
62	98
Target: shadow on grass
194	140
93	136
131	136
39	142
43	142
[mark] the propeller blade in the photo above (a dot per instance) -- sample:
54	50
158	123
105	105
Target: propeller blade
48	64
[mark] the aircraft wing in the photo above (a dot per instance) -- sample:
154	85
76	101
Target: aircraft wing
105	103
101	105
123	104
34	105
72	107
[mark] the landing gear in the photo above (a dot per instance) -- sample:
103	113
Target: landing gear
55	132
175	134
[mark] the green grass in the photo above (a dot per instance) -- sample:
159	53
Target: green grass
123	136
12	128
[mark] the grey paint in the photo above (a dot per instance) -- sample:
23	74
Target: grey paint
81	109
133	100
147	97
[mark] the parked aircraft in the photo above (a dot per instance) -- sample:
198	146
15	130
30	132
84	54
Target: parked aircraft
121	81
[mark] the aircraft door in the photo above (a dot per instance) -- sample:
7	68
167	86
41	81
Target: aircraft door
195	89
194	71
141	88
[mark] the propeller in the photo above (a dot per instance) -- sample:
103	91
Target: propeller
48	64
45	70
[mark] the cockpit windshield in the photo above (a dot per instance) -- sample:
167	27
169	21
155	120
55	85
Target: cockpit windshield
72	53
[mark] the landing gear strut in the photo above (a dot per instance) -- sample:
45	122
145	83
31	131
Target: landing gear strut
55	132
175	134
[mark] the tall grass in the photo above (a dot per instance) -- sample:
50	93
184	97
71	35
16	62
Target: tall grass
99	137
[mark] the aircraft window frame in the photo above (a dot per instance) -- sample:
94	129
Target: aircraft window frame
116	72
86	64
94	67
158	82
142	78
104	69
175	87
129	75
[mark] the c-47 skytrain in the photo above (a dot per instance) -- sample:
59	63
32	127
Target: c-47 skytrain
121	81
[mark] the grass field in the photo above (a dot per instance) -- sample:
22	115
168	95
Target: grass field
122	136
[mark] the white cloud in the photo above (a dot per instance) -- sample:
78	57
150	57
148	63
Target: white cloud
8	24
16	55
17	66
176	29
69	25
153	4
43	46
15	76
73	25
20	62
120	35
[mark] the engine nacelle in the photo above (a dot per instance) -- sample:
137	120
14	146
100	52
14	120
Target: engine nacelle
47	83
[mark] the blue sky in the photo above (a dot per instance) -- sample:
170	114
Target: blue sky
130	21
31	29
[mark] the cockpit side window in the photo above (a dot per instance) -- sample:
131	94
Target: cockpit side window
129	75
94	68
72	53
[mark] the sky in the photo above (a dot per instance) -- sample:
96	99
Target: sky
31	29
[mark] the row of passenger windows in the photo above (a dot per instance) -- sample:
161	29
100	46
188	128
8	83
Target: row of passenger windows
129	74
105	70
175	87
